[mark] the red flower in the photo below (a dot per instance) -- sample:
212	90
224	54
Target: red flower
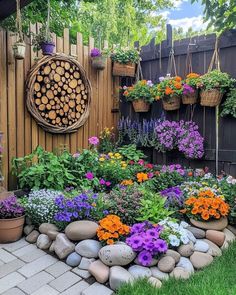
149	166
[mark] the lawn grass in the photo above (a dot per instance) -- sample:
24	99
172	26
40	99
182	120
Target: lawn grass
219	278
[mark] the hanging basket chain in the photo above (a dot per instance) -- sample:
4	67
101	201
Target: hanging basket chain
18	21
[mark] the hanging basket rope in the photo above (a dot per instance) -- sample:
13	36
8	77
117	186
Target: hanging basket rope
18	21
41	99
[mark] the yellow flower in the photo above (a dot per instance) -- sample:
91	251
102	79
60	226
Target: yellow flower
101	159
124	165
112	157
110	154
112	161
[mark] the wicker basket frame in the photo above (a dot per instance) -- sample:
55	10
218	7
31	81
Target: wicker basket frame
211	98
99	62
123	70
171	103
30	95
190	98
141	106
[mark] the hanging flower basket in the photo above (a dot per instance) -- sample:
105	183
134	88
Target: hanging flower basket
99	62
124	70
19	50
141	106
171	103
47	47
190	98
211	98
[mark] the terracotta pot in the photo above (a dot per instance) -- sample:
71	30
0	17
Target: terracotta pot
11	229
190	98
211	98
141	106
99	62
123	70
19	50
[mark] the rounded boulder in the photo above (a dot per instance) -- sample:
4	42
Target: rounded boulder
81	230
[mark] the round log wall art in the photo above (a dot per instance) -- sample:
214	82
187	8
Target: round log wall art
58	93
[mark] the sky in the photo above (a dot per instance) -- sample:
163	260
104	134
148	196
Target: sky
186	15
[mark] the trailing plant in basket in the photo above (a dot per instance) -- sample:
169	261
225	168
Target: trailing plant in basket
143	89
216	80
169	86
229	106
190	84
125	56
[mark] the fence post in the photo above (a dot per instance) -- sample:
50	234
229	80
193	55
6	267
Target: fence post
169	34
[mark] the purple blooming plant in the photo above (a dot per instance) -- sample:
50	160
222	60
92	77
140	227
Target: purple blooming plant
10	208
187	89
173	167
166	135
95	52
174	197
145	240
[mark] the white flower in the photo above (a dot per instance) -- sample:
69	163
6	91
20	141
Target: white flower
184	224
174	241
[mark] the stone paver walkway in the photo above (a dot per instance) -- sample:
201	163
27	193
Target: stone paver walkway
25	269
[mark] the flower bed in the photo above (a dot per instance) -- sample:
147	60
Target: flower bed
119	218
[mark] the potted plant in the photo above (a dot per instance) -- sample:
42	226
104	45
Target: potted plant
170	90
229	106
98	58
213	86
190	92
19	49
43	40
124	61
142	94
12	220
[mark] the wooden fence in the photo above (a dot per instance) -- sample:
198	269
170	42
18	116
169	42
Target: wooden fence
21	133
154	65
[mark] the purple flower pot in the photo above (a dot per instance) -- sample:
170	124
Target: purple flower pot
47	48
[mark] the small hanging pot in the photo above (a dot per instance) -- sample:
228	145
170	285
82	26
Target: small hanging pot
190	98
141	106
99	62
47	47
171	103
211	98
19	50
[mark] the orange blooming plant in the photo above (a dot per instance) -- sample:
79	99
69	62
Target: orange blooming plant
141	177
111	229
143	89
206	205
169	86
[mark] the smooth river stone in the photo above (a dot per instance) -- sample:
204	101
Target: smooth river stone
186	250
173	254
201	246
214	225
166	264
180	273
217	237
160	275
232	229
197	232
62	246
32	237
214	250
81	230
43	242
186	264
45	227
73	259
119	276
88	248
119	254
138	271
229	236
100	271
155	282
200	260
28	229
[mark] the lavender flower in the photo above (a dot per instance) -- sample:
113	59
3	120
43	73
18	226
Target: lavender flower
187	89
10	208
174	197
95	52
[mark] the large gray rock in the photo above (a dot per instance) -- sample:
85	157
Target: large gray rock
214	250
186	250
118	254
32	237
138	271
166	264
201	246
73	259
119	276
160	275
186	264
45	227
197	232
43	242
63	247
214	225
81	230
88	248
200	260
180	273
99	270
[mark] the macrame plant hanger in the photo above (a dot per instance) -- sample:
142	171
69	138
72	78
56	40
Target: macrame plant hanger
215	62
188	70
18	22
171	63
48	21
139	73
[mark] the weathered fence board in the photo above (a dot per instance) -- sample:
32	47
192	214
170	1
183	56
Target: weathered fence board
21	133
154	65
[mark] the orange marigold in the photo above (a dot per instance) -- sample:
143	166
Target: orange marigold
192	76
142	176
168	91
178	79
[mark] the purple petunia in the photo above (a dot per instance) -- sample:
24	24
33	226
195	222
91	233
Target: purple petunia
10	208
89	175
95	52
145	258
93	140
